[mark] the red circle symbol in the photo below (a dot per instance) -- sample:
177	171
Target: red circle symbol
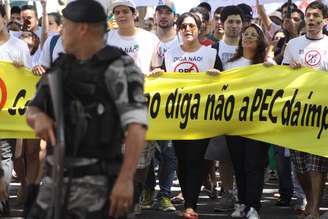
3	90
312	58
186	67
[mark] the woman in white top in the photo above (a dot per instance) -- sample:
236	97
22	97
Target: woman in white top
248	156
190	56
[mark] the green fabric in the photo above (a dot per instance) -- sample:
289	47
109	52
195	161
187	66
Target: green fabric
272	159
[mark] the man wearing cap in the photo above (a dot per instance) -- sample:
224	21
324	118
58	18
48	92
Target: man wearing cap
248	14
166	32
206	6
104	104
141	45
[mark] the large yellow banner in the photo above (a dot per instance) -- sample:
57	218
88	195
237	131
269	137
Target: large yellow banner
276	105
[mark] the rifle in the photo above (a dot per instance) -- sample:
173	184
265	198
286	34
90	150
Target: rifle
56	90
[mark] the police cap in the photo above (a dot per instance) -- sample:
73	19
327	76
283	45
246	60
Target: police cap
85	11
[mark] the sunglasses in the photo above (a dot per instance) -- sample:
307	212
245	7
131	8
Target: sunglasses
217	17
192	27
250	35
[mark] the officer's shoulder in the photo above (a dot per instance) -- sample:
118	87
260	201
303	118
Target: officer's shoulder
62	57
111	52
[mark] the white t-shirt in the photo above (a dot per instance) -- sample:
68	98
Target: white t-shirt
226	51
38	32
36	57
45	58
162	47
177	60
310	53
15	33
242	61
15	50
142	47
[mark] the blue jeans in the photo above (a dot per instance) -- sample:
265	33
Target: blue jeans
167	165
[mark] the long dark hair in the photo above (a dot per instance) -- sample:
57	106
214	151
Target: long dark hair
261	49
189	14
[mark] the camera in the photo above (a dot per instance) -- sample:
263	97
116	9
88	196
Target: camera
26	24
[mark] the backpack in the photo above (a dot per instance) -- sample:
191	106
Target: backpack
53	43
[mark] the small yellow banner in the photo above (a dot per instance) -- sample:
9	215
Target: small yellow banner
17	87
277	105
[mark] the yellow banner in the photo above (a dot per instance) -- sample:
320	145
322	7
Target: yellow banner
276	105
17	87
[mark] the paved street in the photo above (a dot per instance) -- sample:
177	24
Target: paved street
206	206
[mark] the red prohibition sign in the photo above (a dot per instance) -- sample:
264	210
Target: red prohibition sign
312	58
190	66
3	90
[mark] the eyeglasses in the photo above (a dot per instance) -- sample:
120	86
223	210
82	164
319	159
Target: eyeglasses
184	26
250	35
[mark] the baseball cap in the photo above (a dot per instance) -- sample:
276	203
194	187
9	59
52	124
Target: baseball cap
128	3
167	4
247	10
88	11
276	15
206	6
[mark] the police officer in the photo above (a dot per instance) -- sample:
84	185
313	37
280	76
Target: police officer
104	106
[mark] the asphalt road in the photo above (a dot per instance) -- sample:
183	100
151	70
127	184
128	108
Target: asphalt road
205	206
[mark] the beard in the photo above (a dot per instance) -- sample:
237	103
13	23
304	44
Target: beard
165	25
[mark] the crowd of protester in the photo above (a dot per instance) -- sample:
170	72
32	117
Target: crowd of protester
216	40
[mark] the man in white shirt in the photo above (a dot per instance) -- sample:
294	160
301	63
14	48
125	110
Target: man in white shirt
141	45
232	19
30	19
166	32
310	50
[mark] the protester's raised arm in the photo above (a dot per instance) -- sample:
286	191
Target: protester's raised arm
45	23
263	16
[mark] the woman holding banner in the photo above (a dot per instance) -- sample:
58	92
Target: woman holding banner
248	156
190	56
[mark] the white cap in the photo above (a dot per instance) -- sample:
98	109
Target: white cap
128	3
